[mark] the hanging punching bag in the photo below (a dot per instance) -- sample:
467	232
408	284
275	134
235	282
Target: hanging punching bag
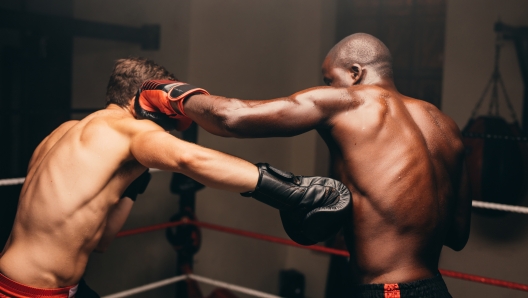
495	165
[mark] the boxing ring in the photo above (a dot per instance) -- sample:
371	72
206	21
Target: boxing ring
190	222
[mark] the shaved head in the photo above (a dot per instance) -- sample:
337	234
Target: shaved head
364	49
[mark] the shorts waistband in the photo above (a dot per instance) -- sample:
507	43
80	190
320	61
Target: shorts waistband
14	287
428	285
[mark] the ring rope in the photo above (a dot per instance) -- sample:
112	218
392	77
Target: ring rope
476	204
248	234
485	280
344	253
489	136
500	207
195	277
12	181
147	287
17	181
232	287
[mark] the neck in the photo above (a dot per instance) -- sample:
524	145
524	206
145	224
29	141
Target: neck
128	109
115	107
373	78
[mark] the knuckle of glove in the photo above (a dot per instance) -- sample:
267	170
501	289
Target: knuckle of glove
320	214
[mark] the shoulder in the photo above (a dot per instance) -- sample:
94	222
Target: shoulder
51	139
64	127
333	98
440	117
444	125
118	122
132	126
60	131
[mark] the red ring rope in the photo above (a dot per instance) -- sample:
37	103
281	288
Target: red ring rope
344	253
484	280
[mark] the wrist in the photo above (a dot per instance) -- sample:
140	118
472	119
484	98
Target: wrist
276	188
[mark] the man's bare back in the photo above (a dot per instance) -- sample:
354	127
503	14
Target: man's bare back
81	184
76	175
74	185
401	159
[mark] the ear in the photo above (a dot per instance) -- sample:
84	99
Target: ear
356	72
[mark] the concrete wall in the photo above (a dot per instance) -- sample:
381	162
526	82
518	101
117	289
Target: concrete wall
497	246
250	49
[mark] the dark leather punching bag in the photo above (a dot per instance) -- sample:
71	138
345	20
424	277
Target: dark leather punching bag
495	165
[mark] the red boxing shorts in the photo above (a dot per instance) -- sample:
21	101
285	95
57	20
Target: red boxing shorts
426	288
11	288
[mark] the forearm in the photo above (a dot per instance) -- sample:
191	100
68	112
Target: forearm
218	170
216	114
458	233
230	117
115	221
210	167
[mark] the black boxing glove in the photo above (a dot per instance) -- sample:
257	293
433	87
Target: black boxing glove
137	186
153	101
312	209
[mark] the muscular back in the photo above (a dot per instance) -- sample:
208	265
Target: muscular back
75	177
401	159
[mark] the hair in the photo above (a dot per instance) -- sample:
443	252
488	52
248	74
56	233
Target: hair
127	77
365	50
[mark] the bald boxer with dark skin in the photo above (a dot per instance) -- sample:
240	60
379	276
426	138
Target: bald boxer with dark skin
401	158
77	193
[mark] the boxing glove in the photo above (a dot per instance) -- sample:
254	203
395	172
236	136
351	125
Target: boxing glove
153	101
312	209
137	186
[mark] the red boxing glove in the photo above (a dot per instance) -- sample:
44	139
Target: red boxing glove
155	97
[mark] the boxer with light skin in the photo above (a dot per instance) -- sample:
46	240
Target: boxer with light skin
83	178
401	158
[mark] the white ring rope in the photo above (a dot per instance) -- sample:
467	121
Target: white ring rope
12	181
500	207
147	287
195	277
235	288
17	181
476	204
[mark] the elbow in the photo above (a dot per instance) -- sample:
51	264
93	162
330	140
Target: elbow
231	127
190	161
456	246
229	121
458	242
100	249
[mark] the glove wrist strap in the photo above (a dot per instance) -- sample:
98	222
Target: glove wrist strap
276	188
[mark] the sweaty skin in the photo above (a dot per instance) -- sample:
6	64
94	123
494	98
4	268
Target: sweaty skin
70	203
401	158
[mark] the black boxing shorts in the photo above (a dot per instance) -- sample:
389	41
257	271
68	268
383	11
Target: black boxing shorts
434	287
10	288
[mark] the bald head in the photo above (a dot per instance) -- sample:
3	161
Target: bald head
364	49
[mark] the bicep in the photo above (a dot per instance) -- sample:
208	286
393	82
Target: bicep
157	149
